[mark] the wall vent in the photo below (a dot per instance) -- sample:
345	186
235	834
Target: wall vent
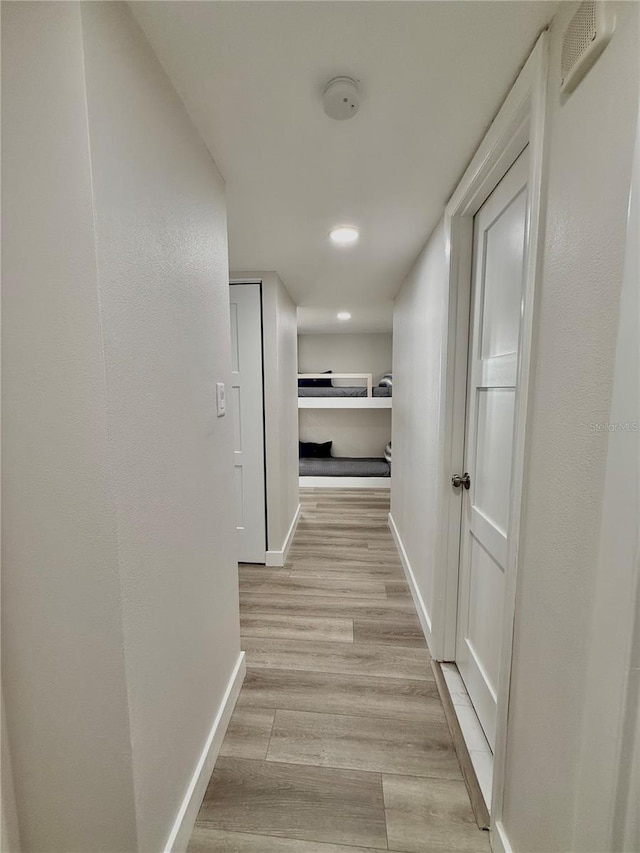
587	35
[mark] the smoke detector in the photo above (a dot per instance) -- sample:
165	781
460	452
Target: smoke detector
341	98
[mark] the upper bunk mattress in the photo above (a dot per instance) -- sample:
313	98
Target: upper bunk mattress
345	391
344	466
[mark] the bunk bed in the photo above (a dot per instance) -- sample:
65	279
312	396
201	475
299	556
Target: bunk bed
319	469
326	395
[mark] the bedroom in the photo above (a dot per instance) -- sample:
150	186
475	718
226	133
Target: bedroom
345	425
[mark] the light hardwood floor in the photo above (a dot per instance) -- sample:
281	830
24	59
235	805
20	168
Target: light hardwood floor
338	742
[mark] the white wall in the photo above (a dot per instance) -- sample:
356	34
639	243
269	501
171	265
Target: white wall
120	630
279	327
62	647
419	323
345	353
163	277
590	139
590	134
354	432
609	777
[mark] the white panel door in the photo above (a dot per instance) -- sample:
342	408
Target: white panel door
499	246
246	406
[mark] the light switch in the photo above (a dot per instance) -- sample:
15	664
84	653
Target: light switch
221	404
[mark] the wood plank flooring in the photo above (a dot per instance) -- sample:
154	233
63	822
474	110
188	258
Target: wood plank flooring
338	742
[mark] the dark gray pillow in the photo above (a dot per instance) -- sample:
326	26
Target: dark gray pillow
316	383
312	450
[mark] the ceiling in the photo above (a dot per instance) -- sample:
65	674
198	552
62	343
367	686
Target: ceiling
433	74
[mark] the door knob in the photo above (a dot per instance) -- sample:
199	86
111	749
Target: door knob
461	480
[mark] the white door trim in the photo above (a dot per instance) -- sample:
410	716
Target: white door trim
520	121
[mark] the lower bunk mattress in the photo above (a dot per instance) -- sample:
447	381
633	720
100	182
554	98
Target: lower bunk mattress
344	466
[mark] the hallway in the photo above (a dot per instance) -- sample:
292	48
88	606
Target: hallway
338	740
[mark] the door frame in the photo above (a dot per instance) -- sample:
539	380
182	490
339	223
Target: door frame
519	122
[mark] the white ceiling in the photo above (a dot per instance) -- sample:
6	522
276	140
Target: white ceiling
432	75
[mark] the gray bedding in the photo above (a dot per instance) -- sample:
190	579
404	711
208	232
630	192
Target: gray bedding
345	391
345	466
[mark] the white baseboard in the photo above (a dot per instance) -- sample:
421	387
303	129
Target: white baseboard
279	558
499	840
345	482
423	613
180	834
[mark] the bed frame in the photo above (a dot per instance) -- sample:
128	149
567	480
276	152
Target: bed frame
344	402
345	482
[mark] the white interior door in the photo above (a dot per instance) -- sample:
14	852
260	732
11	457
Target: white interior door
500	229
246	404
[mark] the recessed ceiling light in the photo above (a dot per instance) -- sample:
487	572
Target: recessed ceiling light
344	235
344	315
